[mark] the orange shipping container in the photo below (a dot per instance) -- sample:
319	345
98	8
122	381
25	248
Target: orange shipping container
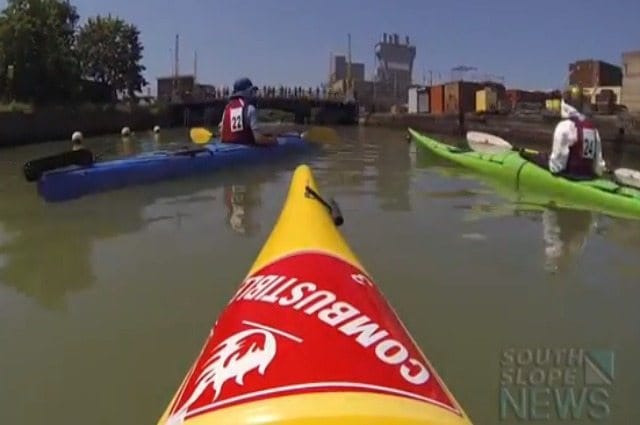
436	99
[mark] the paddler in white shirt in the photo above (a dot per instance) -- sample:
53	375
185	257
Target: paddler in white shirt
576	152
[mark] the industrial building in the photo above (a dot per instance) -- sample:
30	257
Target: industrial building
601	82
174	88
631	81
183	88
394	68
392	76
340	70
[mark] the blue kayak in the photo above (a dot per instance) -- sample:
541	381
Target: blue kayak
77	181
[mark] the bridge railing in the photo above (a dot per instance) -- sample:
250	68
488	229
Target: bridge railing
280	92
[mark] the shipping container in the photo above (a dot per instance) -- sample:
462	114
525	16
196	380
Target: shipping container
522	96
591	73
481	101
451	97
500	89
436	99
423	101
413	100
418	100
486	100
460	95
552	105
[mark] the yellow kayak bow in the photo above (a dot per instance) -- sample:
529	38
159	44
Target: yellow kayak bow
308	338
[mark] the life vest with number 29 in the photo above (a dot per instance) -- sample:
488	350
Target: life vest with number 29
582	154
235	125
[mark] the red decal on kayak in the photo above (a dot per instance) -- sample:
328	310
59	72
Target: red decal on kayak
306	323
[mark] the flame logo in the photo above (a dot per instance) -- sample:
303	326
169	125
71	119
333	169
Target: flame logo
252	349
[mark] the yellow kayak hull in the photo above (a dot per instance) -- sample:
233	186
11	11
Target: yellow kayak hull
313	385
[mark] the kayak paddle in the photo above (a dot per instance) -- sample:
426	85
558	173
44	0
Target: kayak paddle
34	169
320	135
627	177
488	143
201	136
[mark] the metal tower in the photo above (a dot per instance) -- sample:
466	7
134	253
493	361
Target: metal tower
394	68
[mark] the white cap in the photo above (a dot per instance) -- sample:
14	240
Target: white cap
125	131
76	136
156	129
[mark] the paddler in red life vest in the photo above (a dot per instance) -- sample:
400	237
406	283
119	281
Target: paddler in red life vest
577	148
239	122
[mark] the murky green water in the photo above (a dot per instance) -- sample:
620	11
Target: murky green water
105	301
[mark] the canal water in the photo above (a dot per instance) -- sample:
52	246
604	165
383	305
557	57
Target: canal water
105	301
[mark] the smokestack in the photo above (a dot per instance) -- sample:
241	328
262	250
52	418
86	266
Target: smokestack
407	39
396	39
384	37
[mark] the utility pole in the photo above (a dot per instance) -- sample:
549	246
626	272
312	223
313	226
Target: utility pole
195	65
177	58
175	67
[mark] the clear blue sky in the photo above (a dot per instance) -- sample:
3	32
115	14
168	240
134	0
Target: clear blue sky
530	43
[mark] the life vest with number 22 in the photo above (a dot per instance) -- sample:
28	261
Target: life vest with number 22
582	154
235	125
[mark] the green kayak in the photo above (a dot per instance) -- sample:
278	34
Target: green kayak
509	167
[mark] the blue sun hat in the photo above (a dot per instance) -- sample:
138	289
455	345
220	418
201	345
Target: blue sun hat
243	87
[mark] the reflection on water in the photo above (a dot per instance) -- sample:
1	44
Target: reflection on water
565	234
241	202
374	162
392	164
123	286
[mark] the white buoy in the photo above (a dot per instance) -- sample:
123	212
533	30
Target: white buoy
76	141
126	131
156	129
76	136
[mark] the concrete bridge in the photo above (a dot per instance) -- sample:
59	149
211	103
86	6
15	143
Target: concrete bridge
324	111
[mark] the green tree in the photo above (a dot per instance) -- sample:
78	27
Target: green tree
110	52
37	37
